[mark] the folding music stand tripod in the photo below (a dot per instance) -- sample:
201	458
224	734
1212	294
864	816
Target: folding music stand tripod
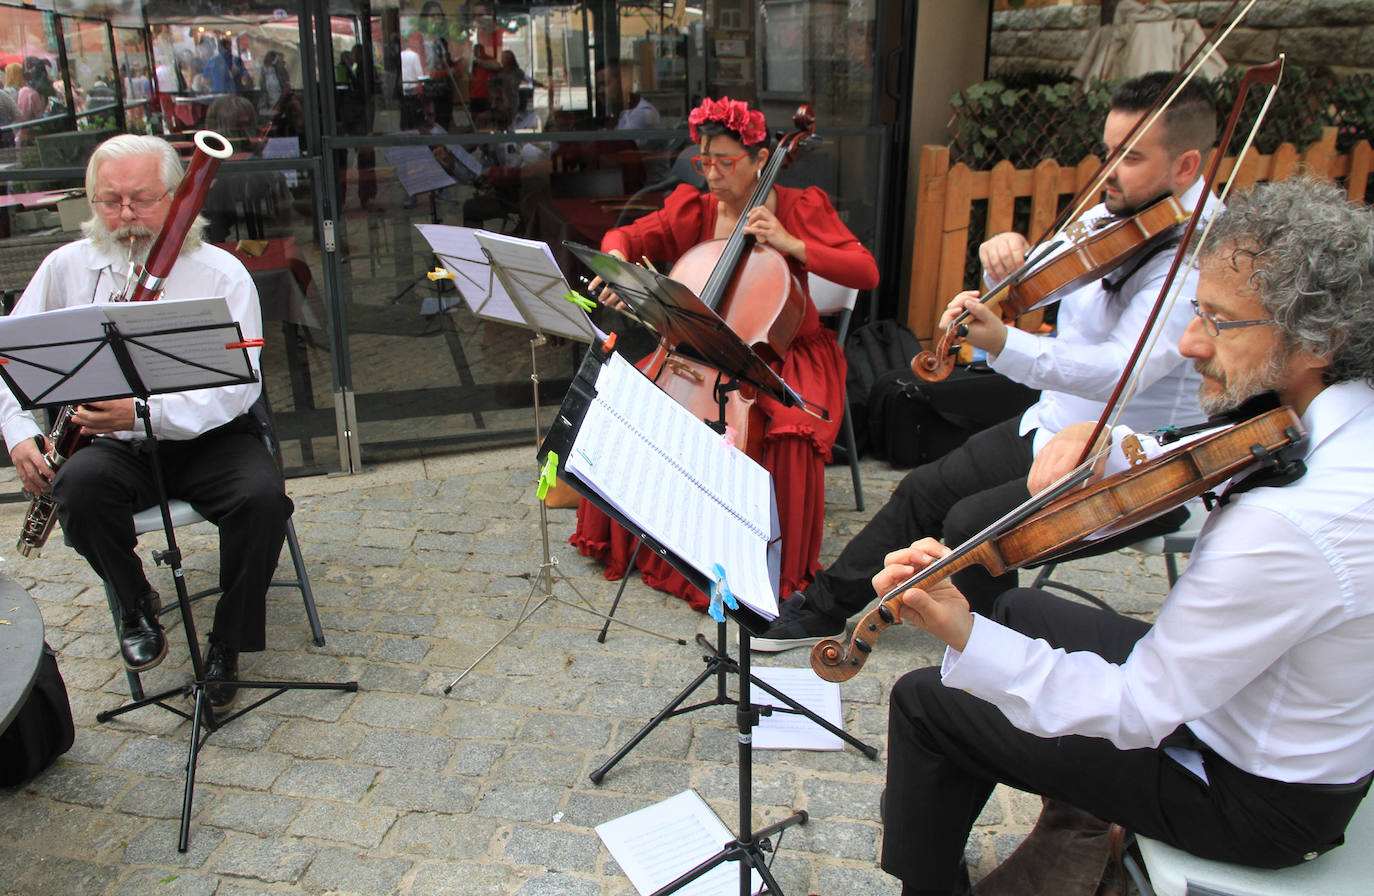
651	299
139	350
517	282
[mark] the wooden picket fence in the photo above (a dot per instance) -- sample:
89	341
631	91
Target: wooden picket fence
947	193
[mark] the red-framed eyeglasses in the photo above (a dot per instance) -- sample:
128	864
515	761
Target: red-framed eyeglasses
725	163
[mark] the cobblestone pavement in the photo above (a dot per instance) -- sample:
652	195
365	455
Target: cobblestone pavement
417	567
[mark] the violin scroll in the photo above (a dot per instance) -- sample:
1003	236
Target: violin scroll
832	661
933	366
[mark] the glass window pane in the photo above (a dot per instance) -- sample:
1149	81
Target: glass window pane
30	52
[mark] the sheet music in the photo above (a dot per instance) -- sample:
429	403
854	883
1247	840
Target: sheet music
537	286
461	254
51	361
660	843
417	169
790	730
690	491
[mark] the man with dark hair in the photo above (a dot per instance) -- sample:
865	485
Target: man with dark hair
959	494
1240	726
210	451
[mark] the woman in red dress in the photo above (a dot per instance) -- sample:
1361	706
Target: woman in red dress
804	227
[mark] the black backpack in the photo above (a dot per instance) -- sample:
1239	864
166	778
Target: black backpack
871	352
42	730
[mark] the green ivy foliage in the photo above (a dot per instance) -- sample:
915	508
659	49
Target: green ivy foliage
1024	122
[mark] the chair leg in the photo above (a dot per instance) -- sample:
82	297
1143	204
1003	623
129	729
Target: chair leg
1043	580
847	432
117	613
303	582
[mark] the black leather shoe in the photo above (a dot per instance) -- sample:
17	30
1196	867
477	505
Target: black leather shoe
142	643
221	676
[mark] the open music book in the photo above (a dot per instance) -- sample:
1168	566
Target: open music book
673	476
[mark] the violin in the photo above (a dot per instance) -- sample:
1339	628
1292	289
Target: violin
754	291
1064	522
1085	252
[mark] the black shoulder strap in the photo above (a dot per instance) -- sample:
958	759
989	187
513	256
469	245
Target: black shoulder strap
1118	278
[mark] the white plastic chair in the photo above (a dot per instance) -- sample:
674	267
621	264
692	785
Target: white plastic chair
1347	870
183	514
833	299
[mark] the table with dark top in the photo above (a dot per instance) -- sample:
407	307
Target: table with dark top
21	647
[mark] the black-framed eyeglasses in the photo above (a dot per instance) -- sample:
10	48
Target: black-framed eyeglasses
137	206
1215	326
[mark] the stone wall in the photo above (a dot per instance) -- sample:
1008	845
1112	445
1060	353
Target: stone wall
1334	33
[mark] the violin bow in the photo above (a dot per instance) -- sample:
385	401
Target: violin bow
1270	73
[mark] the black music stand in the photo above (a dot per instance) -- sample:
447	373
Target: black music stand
140	349
750	846
516	281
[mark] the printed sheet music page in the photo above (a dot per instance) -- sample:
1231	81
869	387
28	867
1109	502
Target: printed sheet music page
693	493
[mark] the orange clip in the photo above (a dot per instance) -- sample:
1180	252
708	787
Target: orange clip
247	343
608	344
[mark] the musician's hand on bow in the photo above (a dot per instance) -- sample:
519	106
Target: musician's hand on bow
1061	453
941	610
34	472
985	327
100	417
765	227
1002	254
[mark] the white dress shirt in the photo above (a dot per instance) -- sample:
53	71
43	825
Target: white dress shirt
1262	647
1077	368
78	274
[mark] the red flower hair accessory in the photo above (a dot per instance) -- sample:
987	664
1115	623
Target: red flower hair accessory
733	114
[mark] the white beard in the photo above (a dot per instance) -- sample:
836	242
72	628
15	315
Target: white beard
134	241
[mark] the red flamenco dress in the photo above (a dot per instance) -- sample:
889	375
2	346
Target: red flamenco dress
796	445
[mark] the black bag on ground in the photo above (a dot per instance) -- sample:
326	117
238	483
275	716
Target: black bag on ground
871	352
912	422
42	730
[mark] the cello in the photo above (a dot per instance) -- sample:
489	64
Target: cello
752	288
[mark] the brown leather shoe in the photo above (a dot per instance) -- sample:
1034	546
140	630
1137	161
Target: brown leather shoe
1064	855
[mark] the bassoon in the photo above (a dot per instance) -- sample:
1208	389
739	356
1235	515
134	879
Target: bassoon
66	436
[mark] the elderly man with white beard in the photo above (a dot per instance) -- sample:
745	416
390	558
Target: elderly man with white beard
210	451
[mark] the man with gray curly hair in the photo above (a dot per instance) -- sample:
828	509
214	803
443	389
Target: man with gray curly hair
1240	725
210	450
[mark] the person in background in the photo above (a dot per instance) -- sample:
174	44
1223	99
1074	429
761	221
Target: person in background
804	227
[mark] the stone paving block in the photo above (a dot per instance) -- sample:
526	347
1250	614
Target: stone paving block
399	679
521	802
459	838
341	871
57	874
162	797
556	884
404	749
307	739
247	769
260	814
152	881
551	848
395	711
325	780
265	860
354	825
423	792
84	785
451	879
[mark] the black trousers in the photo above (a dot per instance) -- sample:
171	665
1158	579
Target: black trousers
947	750
952	499
226	474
